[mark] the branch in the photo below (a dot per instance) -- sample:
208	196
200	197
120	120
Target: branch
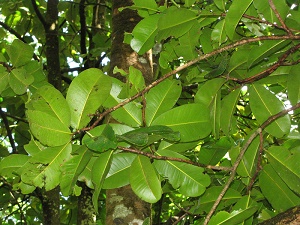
38	13
184	66
240	156
273	7
159	157
8	130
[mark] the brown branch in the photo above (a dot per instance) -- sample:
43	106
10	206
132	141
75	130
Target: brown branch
240	156
158	157
184	66
273	7
9	132
39	14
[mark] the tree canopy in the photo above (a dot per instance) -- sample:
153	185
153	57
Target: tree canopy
212	139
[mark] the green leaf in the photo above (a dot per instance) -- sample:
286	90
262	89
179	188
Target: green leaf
103	142
44	168
208	91
144	34
48	129
130	114
161	99
33	147
265	104
86	94
118	175
268	48
145	7
218	33
191	120
220	4
238	60
215	115
188	179
19	80
4	78
10	164
144	181
99	172
293	85
175	22
234	14
209	197
19	53
276	191
72	168
227	110
49	100
286	165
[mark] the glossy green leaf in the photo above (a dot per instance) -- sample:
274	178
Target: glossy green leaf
86	94
19	80
276	191
145	7
100	169
44	168
215	113
228	109
118	175
86	175
144	34
293	85
10	164
188	179
191	120
286	165
265	104
102	142
48	129
144	181
245	203
220	4
209	197
265	50
175	22
238	60
161	99
3	78
247	166
218	34
130	114
19	53
205	40
234	14
178	146
72	168
49	100
208	91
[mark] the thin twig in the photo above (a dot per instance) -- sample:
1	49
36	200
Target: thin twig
159	157
39	14
240	156
9	132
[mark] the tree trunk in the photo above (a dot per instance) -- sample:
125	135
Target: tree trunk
86	213
122	205
289	217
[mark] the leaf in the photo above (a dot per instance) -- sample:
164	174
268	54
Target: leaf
161	99
10	164
19	53
72	168
215	115
118	175
293	85
220	4
234	14
266	49
265	104
4	78
102	142
218	34
188	179
211	194
44	168
286	165
191	120
144	181
130	114
144	34
48	129
145	7
175	22
227	110
100	169
276	191
19	80
49	100
86	94
208	91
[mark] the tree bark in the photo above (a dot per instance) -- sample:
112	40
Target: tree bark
289	217
122	205
86	214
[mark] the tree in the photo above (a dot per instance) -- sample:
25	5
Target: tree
212	138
